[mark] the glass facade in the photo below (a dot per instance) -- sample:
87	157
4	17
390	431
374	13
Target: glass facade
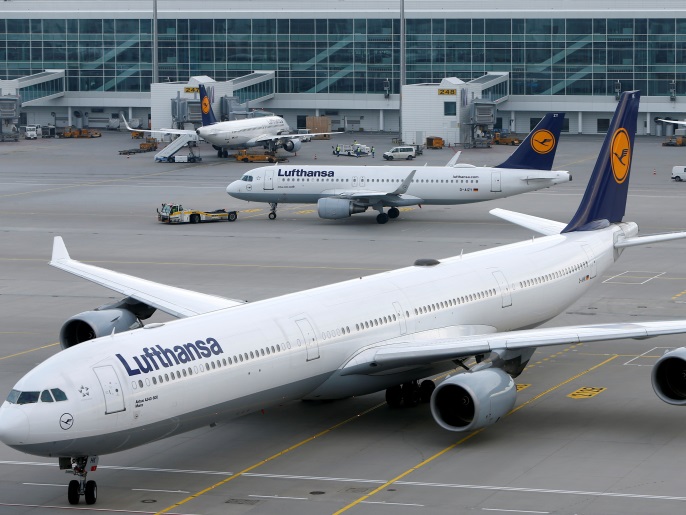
543	56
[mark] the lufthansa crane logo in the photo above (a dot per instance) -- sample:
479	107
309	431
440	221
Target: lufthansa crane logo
621	155
205	105
66	421
542	141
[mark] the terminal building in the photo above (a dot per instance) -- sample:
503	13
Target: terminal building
79	62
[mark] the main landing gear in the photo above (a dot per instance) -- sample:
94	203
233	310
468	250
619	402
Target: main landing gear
272	213
410	394
80	467
382	217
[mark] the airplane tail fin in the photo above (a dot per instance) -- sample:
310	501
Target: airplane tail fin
208	117
604	201
537	151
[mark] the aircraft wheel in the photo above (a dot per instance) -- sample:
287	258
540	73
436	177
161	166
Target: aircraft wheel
219	153
382	218
91	494
73	492
233	216
426	388
394	396
394	212
411	394
225	153
272	215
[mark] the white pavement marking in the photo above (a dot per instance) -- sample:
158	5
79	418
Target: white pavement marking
391	503
513	511
43	484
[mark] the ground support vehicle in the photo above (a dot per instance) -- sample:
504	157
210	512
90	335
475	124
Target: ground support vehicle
679	173
505	138
267	157
175	214
352	150
49	131
407	152
675	141
32	132
150	145
9	136
435	142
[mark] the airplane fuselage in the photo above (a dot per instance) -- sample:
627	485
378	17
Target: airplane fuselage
440	185
152	383
242	133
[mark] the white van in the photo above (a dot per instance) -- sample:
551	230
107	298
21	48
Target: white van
31	132
306	136
679	173
400	153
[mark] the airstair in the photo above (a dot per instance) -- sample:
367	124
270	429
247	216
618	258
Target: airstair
166	155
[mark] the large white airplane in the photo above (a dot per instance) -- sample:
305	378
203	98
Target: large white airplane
341	191
270	132
226	358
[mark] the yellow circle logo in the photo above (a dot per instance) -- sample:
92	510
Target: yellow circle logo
542	141
205	105
621	155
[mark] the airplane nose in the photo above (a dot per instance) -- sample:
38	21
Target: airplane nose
14	426
232	188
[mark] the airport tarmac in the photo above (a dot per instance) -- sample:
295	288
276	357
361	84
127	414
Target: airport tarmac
610	448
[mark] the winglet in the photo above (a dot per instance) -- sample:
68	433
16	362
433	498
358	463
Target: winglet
121	115
453	160
405	185
604	201
59	250
537	151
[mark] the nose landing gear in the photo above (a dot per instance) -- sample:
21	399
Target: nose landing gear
80	466
272	212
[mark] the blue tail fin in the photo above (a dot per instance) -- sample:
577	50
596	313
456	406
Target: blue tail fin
206	108
604	201
537	151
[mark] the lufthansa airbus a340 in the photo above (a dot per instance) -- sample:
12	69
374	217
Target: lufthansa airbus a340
341	191
224	358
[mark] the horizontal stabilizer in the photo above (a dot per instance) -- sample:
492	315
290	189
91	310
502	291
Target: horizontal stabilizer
536	224
644	240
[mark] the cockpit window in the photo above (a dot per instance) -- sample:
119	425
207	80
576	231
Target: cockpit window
17	397
59	394
247	178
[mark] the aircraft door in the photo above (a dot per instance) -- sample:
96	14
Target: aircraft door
401	317
504	288
354	183
111	389
495	182
309	337
269	179
591	261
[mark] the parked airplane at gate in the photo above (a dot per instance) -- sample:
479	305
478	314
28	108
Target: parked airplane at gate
271	132
341	191
226	358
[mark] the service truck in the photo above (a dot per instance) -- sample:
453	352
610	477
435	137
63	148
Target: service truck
173	213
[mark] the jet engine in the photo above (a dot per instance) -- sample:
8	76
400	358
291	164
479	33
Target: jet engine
292	145
473	400
120	316
669	377
333	208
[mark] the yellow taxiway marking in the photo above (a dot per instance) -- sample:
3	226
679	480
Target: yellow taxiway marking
267	460
28	351
522	386
461	441
586	392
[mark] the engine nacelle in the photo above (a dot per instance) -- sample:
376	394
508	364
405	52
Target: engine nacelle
333	208
94	324
472	400
669	377
292	145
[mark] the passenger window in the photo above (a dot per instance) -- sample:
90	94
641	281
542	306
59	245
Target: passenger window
154	380
58	394
140	383
45	396
166	377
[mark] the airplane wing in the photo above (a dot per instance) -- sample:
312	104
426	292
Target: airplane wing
275	137
676	122
163	131
426	352
175	301
396	197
